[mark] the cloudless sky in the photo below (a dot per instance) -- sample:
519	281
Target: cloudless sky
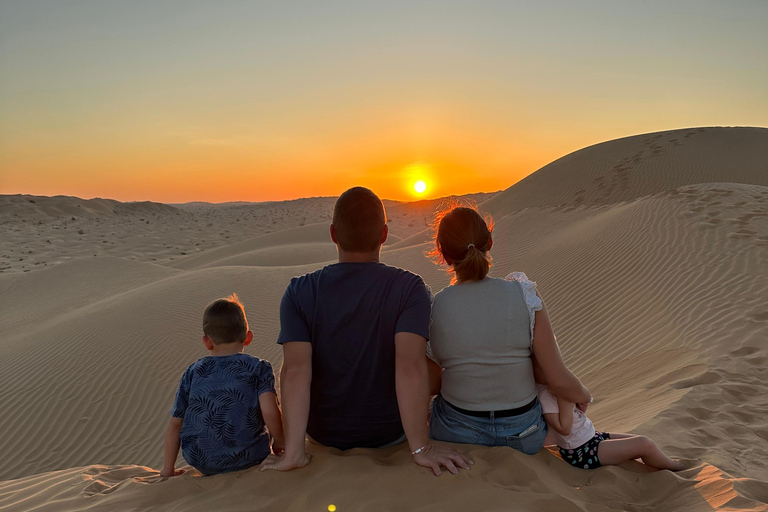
229	100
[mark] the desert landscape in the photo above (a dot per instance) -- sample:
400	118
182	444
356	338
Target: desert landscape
651	252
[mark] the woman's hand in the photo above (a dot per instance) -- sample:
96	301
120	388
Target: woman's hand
583	406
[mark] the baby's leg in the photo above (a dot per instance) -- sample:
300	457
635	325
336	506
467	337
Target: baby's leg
623	447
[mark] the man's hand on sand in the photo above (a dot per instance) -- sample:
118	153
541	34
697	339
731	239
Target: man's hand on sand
433	457
282	463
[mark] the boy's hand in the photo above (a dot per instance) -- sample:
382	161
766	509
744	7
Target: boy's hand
282	463
170	472
278	447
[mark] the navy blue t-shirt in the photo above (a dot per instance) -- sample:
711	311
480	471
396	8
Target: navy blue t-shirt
218	398
350	313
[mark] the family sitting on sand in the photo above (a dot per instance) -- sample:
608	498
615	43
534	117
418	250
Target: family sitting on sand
356	370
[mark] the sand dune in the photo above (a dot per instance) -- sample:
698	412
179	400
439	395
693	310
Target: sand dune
30	208
315	234
625	169
656	288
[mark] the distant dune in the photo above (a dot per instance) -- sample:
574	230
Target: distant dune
29	208
651	253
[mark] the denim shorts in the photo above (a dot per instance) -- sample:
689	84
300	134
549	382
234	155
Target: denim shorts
525	432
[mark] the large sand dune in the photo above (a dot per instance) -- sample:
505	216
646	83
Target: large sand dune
625	169
657	287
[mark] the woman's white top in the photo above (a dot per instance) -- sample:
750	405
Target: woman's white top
481	334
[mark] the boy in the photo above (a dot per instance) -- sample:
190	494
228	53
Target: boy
224	401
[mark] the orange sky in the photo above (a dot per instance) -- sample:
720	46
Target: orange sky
239	101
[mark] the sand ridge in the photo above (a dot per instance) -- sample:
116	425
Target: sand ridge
657	296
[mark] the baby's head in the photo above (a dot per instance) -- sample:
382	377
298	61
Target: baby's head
224	322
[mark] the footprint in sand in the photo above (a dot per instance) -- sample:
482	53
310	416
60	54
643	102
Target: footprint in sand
745	351
705	378
742	234
759	317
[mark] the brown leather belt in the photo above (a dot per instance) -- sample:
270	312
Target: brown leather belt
496	414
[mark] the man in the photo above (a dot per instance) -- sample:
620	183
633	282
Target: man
354	337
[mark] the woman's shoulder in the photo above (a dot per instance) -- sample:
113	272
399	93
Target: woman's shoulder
475	290
519	277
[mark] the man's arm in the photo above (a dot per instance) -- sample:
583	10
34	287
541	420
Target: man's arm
412	385
172	444
295	382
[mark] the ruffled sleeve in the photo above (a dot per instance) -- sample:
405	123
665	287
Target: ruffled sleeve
529	292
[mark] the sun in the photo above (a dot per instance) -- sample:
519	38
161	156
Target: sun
420	187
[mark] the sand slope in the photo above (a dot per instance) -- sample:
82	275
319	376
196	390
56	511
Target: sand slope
632	167
657	298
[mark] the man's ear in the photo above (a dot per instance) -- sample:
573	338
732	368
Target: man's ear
248	338
208	342
333	235
384	234
490	242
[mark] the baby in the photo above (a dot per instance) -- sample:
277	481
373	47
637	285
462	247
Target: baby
224	401
584	447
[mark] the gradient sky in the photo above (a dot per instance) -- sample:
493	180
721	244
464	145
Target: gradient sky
220	100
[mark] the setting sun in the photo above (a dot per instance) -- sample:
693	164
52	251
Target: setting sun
420	187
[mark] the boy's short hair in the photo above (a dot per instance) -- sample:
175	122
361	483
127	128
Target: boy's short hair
358	219
224	321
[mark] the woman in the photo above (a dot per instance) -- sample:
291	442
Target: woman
485	333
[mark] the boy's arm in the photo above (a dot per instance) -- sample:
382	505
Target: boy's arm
295	382
565	414
172	445
274	420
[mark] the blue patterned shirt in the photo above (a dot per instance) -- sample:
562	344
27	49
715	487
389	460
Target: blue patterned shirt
218	398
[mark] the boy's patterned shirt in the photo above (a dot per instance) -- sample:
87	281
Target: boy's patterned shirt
218	398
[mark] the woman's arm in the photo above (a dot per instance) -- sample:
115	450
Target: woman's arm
559	378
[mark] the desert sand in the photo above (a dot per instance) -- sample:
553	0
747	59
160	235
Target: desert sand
651	252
